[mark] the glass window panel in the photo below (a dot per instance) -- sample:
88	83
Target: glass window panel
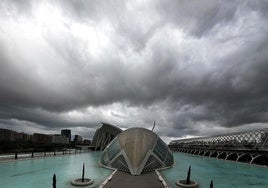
113	149
160	149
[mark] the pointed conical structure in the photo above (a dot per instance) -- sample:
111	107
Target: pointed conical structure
211	184
188	181
54	181
83	173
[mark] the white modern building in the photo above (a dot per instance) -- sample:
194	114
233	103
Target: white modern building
137	150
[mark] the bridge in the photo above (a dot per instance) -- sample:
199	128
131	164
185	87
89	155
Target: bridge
248	146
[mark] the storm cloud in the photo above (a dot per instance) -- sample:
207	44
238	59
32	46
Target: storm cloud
195	67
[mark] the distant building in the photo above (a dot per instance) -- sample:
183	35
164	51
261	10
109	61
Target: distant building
59	139
67	133
87	142
23	137
41	138
19	137
8	135
78	139
104	135
26	137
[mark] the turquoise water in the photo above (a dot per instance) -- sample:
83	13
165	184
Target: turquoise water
38	172
225	174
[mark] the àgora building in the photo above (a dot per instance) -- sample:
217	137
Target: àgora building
103	136
137	150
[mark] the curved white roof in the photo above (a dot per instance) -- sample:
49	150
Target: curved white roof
137	150
136	142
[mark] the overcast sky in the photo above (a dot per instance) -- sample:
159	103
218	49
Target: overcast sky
197	68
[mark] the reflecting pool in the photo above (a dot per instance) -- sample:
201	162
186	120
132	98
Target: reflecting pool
225	174
38	172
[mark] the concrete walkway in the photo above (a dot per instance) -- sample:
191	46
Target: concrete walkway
126	180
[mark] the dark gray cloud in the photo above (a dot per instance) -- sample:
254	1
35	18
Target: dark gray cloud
190	65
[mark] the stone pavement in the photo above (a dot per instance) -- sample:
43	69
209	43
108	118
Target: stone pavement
126	180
